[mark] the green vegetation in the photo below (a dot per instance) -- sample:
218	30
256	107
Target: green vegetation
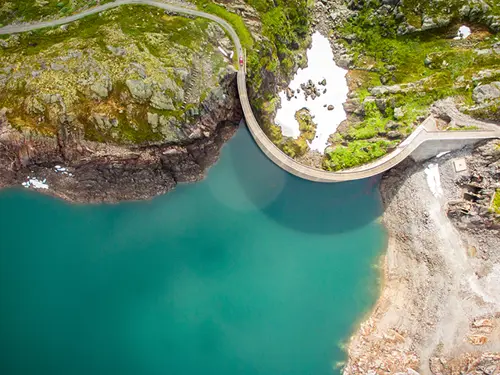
100	53
462	128
432	62
30	10
233	19
285	26
496	202
306	125
299	147
354	154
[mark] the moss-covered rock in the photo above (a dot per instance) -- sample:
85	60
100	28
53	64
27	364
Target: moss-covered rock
110	72
406	56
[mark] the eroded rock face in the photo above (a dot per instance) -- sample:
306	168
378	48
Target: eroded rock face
424	281
98	172
139	89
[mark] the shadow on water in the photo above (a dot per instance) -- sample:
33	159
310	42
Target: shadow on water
330	208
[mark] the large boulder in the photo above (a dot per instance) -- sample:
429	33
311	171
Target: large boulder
101	88
352	106
103	122
139	89
161	101
484	93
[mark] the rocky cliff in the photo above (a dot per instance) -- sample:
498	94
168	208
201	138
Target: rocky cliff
122	105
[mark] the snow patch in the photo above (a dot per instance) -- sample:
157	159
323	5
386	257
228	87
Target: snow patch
442	154
62	170
320	66
35	183
434	180
463	32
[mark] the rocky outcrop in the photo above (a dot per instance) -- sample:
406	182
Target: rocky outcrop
99	172
474	211
124	115
484	93
469	363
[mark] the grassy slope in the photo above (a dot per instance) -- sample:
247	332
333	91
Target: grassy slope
285	25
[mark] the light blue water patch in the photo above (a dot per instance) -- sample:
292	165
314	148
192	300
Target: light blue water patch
252	271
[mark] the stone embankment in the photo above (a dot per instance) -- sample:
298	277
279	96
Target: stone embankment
439	311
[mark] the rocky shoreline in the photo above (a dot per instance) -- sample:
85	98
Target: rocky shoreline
439	310
112	174
95	172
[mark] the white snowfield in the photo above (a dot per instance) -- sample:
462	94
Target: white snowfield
320	66
434	180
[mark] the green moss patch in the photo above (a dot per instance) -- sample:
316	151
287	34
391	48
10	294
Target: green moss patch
299	147
354	154
496	202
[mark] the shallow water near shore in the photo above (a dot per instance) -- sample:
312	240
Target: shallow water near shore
252	271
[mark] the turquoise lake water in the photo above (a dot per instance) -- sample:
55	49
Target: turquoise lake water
252	271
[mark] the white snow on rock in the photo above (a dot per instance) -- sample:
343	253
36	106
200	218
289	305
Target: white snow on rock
62	170
463	32
35	183
223	52
320	66
434	180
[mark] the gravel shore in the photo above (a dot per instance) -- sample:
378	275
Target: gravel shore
439	311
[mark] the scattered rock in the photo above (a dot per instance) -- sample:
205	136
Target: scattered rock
394	134
56	67
352	105
117	51
103	122
102	88
392	125
398	113
477	339
33	106
345	61
381	104
330	107
152	119
487	92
